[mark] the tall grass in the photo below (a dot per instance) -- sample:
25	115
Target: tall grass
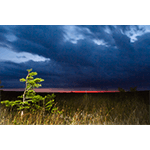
121	110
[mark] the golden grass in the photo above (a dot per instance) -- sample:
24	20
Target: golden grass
84	112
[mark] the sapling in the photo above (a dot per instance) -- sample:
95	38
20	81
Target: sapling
121	90
29	96
133	89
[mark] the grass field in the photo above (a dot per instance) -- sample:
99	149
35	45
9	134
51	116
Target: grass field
87	110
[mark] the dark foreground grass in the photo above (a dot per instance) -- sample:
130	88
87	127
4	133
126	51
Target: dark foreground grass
122	110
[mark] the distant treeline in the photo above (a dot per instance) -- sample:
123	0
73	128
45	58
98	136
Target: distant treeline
131	89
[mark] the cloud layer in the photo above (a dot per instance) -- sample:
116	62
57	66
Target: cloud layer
97	57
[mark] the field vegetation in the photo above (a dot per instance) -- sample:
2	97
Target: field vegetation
124	108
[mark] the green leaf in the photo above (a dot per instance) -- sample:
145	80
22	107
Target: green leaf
50	102
6	101
18	101
29	70
22	80
60	112
27	107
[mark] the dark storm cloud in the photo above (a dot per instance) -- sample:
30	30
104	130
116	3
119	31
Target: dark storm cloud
47	42
143	42
42	40
2	32
98	32
46	36
123	44
116	62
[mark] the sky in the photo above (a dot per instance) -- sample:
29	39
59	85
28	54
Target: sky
76	57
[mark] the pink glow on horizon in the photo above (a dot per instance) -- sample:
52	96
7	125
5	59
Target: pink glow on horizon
61	90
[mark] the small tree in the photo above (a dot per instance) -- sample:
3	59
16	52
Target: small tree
133	89
29	95
121	90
